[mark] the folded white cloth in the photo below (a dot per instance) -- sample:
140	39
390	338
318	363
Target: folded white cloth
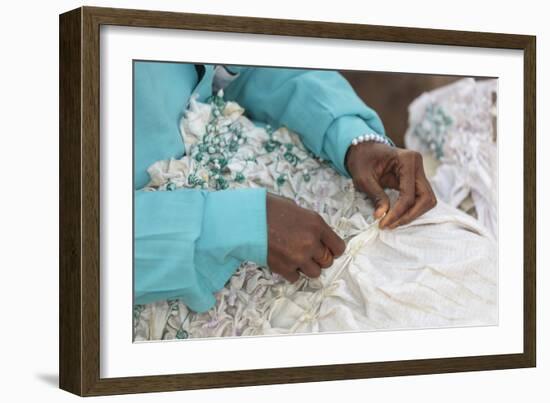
456	125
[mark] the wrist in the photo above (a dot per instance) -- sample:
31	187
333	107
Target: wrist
366	154
365	141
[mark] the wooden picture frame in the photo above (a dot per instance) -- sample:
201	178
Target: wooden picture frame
79	281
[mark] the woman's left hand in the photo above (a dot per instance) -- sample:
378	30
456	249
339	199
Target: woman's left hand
375	166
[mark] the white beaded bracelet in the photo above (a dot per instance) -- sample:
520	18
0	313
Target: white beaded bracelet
377	138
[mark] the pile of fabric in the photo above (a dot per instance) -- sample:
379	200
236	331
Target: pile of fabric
437	271
454	128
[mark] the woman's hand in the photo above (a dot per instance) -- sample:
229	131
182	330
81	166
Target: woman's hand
298	239
375	166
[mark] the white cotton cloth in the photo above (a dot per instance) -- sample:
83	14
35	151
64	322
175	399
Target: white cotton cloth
438	271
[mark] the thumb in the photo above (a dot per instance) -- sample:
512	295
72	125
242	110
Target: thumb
376	193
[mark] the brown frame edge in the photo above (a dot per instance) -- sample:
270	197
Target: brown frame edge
79	361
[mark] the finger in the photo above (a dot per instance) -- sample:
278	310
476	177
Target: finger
291	275
424	202
332	241
376	194
323	256
407	190
284	268
311	269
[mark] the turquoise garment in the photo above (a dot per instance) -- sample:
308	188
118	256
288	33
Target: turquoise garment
161	93
188	243
319	105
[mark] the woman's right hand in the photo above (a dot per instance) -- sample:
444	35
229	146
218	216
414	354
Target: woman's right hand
298	239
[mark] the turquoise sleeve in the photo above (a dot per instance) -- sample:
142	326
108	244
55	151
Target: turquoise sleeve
321	106
189	242
161	93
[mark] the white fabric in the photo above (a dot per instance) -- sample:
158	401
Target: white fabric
438	271
467	144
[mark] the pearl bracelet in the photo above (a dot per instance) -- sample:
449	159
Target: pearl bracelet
377	138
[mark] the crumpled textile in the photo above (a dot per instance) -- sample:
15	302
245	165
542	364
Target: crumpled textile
456	125
437	271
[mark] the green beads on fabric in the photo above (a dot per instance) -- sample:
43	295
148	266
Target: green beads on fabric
174	306
182	334
233	146
432	130
221	141
138	309
218	102
221	183
216	148
239	177
291	158
194	181
272	145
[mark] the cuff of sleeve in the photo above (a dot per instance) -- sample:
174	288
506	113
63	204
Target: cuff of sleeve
339	136
234	230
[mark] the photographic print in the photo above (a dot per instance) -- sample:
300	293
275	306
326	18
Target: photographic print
275	201
340	201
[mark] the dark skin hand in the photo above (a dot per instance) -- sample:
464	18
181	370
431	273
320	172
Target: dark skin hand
375	166
298	240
